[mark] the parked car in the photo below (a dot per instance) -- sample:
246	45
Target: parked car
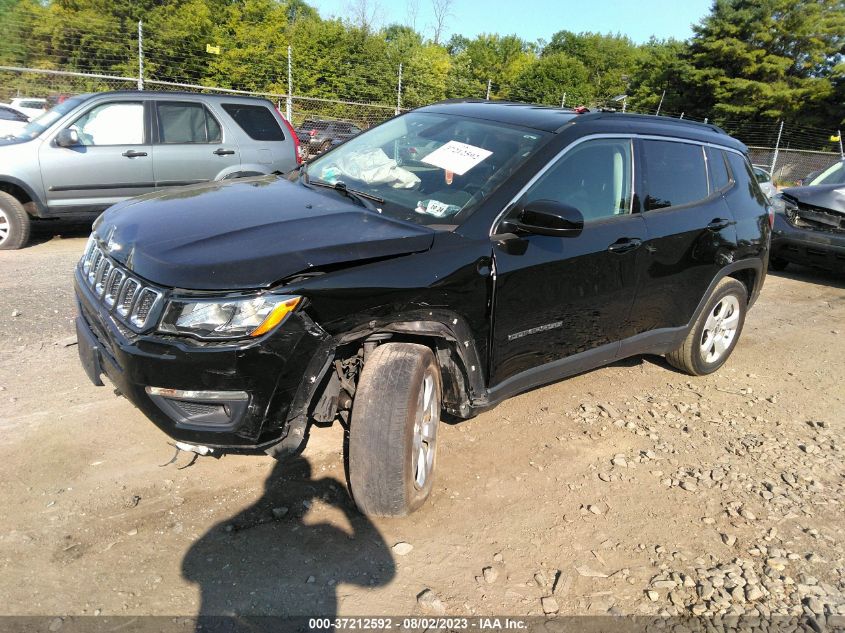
810	223
97	149
12	120
532	244
317	136
764	179
32	107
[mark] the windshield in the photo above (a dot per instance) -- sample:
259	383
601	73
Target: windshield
432	169
37	126
833	175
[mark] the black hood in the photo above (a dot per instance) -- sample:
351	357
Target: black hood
248	233
830	197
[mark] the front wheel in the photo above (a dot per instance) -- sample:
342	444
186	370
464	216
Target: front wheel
716	331
393	430
14	223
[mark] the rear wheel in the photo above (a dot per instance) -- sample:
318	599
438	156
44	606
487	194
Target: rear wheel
778	264
393	430
15	223
716	332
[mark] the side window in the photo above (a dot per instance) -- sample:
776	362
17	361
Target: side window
7	114
744	177
673	174
594	177
718	169
183	122
256	120
118	123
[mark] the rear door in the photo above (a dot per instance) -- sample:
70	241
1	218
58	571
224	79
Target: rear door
192	145
112	161
556	297
692	233
266	138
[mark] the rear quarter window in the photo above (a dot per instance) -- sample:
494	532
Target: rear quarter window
718	169
744	177
256	120
673	174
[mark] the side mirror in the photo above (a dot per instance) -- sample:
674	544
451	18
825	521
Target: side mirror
546	217
68	137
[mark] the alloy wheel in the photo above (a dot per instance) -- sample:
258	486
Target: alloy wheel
425	431
720	329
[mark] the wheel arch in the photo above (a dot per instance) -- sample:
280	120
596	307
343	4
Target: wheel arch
450	340
749	272
24	194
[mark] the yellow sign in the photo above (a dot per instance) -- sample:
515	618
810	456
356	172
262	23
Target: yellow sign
835	138
214	50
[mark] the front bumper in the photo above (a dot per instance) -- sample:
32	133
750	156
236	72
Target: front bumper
278	374
808	246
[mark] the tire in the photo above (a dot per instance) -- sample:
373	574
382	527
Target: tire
392	433
778	264
716	331
15	223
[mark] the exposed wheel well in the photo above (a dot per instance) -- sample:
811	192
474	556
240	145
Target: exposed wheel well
328	400
22	196
748	277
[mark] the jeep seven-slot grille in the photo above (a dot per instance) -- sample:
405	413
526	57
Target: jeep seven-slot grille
127	297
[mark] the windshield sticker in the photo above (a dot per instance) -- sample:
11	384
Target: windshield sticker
457	157
436	208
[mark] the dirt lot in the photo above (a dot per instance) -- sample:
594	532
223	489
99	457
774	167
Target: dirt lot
633	489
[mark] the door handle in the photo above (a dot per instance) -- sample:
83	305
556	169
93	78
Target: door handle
131	153
718	224
625	244
223	152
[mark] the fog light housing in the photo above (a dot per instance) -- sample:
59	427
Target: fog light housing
201	410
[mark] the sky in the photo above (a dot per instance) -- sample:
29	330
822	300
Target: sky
533	19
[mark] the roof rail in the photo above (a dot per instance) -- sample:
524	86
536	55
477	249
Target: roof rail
653	118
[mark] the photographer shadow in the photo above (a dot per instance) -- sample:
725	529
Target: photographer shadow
270	562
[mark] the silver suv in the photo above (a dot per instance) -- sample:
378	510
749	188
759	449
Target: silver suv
94	150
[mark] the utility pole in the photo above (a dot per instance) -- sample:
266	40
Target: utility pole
289	100
140	55
839	134
777	147
489	81
563	100
399	91
660	105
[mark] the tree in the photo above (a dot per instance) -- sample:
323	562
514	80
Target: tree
365	13
442	10
548	78
766	59
610	59
661	73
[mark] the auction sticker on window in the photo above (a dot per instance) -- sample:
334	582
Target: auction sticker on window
456	157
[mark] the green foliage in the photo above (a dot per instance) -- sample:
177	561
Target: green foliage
766	59
610	59
550	77
747	60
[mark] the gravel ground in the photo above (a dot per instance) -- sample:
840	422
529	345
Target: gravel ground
633	489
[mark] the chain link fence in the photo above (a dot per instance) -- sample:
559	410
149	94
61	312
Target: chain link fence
63	64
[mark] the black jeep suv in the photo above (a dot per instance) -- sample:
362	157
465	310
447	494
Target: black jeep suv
524	245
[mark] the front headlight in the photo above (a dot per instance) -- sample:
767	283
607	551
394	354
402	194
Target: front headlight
227	318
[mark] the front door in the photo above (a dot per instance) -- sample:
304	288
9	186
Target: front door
112	161
556	297
192	145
